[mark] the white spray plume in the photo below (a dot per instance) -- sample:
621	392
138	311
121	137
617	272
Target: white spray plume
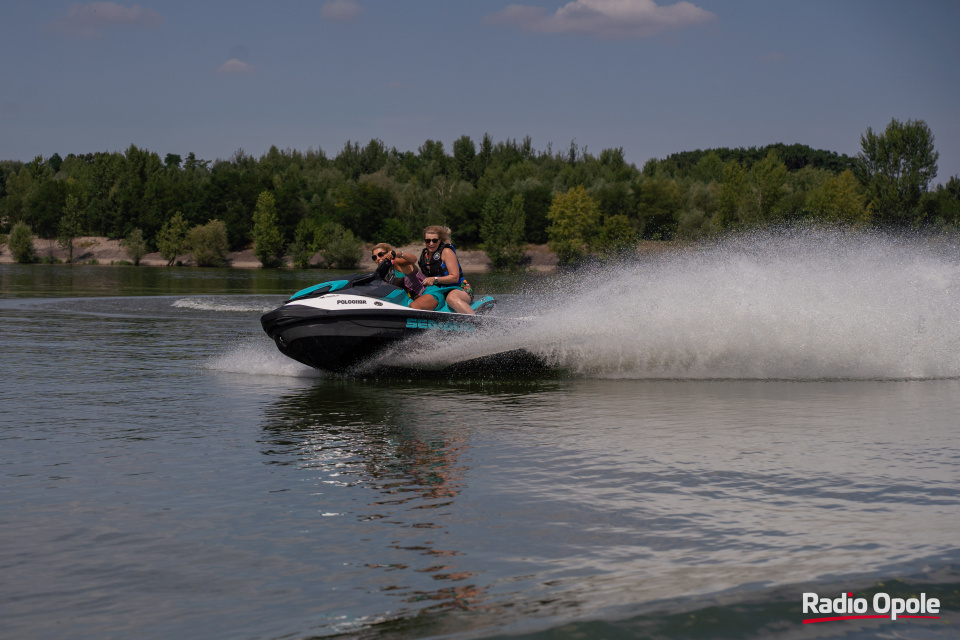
799	304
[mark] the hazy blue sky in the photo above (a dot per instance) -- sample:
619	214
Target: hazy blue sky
212	77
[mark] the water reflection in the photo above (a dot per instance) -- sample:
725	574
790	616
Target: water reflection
395	461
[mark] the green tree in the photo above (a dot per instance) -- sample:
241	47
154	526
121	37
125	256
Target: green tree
733	198
896	168
659	203
708	169
45	205
135	246
800	185
614	198
70	225
55	162
617	236
465	158
394	232
768	179
362	208
172	239
700	212
268	243
433	160
341	249
99	180
838	200
502	231
373	157
135	194
209	244
461	208
574	219
941	207
20	244
537	198
303	246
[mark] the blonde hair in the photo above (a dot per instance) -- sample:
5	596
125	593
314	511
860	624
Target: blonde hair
383	245
442	232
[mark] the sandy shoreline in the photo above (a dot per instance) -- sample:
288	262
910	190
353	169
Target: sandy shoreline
105	251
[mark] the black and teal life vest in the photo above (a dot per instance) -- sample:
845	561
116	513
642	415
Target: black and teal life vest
432	264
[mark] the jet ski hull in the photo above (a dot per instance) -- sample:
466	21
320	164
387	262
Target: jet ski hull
338	340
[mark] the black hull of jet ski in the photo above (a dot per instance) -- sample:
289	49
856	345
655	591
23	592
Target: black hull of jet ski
338	340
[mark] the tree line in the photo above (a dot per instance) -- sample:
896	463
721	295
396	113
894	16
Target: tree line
496	196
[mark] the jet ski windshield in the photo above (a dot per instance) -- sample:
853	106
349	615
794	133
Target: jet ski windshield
354	282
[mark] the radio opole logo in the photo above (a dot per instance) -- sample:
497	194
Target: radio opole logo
850	608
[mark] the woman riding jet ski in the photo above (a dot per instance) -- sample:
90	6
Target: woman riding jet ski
338	324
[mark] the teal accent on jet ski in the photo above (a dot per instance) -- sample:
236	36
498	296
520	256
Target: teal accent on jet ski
483	303
398	297
333	285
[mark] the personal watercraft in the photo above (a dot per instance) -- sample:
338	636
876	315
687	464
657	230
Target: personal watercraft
338	324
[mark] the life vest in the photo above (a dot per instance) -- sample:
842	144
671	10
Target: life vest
433	266
412	284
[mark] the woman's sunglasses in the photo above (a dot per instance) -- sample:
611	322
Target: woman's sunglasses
431	240
377	256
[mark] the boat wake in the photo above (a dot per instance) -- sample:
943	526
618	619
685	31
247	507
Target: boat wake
794	305
207	304
257	355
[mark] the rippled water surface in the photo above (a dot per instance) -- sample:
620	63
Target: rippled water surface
724	429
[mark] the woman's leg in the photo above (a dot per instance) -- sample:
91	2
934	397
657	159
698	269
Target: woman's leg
426	302
459	301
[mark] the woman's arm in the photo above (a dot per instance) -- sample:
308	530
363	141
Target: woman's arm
452	278
404	262
403	258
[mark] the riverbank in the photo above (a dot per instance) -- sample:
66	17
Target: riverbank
103	251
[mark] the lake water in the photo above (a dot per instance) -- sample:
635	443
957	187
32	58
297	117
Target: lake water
725	429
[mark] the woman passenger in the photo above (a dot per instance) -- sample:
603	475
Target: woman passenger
405	275
441	269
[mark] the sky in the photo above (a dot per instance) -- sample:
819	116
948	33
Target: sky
212	77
